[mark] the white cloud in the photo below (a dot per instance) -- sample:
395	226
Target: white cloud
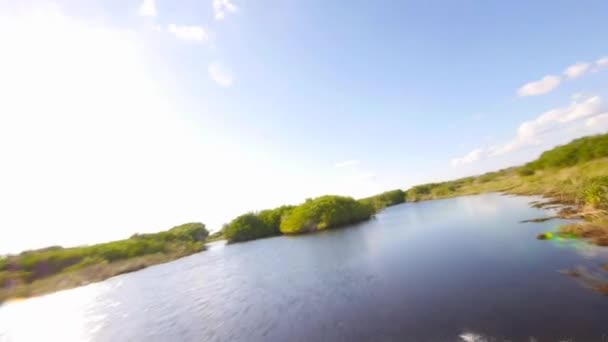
222	7
347	163
221	74
598	123
542	86
531	133
470	157
577	70
551	82
147	8
577	110
191	33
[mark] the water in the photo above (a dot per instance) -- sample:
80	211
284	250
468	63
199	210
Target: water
461	269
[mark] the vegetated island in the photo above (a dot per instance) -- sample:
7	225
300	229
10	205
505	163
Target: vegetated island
575	174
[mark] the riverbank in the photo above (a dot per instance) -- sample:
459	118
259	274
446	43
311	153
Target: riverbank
573	177
577	193
37	272
88	275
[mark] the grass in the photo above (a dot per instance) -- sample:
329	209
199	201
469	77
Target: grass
595	231
565	185
89	274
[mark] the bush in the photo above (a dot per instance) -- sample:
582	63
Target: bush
246	227
325	212
252	226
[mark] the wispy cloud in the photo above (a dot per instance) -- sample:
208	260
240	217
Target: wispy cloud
470	157
221	74
190	33
542	86
223	7
577	70
589	111
147	8
347	163
550	82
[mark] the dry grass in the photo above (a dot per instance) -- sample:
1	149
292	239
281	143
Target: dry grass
596	231
562	185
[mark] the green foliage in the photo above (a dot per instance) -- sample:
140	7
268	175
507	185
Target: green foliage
576	152
385	199
252	226
595	192
41	263
272	217
419	192
246	227
325	212
434	190
488	177
219	235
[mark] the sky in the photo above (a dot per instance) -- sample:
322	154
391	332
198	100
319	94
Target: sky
124	116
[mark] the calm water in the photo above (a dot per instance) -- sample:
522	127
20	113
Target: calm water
434	271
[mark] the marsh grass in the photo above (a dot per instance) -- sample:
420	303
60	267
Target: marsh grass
89	274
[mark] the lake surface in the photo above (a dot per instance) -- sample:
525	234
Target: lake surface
433	271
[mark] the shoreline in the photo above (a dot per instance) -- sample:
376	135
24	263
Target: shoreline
100	272
88	275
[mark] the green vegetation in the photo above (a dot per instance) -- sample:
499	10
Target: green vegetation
27	273
575	173
385	199
314	214
252	226
576	152
325	212
217	236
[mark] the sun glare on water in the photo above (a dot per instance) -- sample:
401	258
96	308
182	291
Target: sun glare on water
62	316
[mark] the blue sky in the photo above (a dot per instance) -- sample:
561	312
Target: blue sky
132	116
